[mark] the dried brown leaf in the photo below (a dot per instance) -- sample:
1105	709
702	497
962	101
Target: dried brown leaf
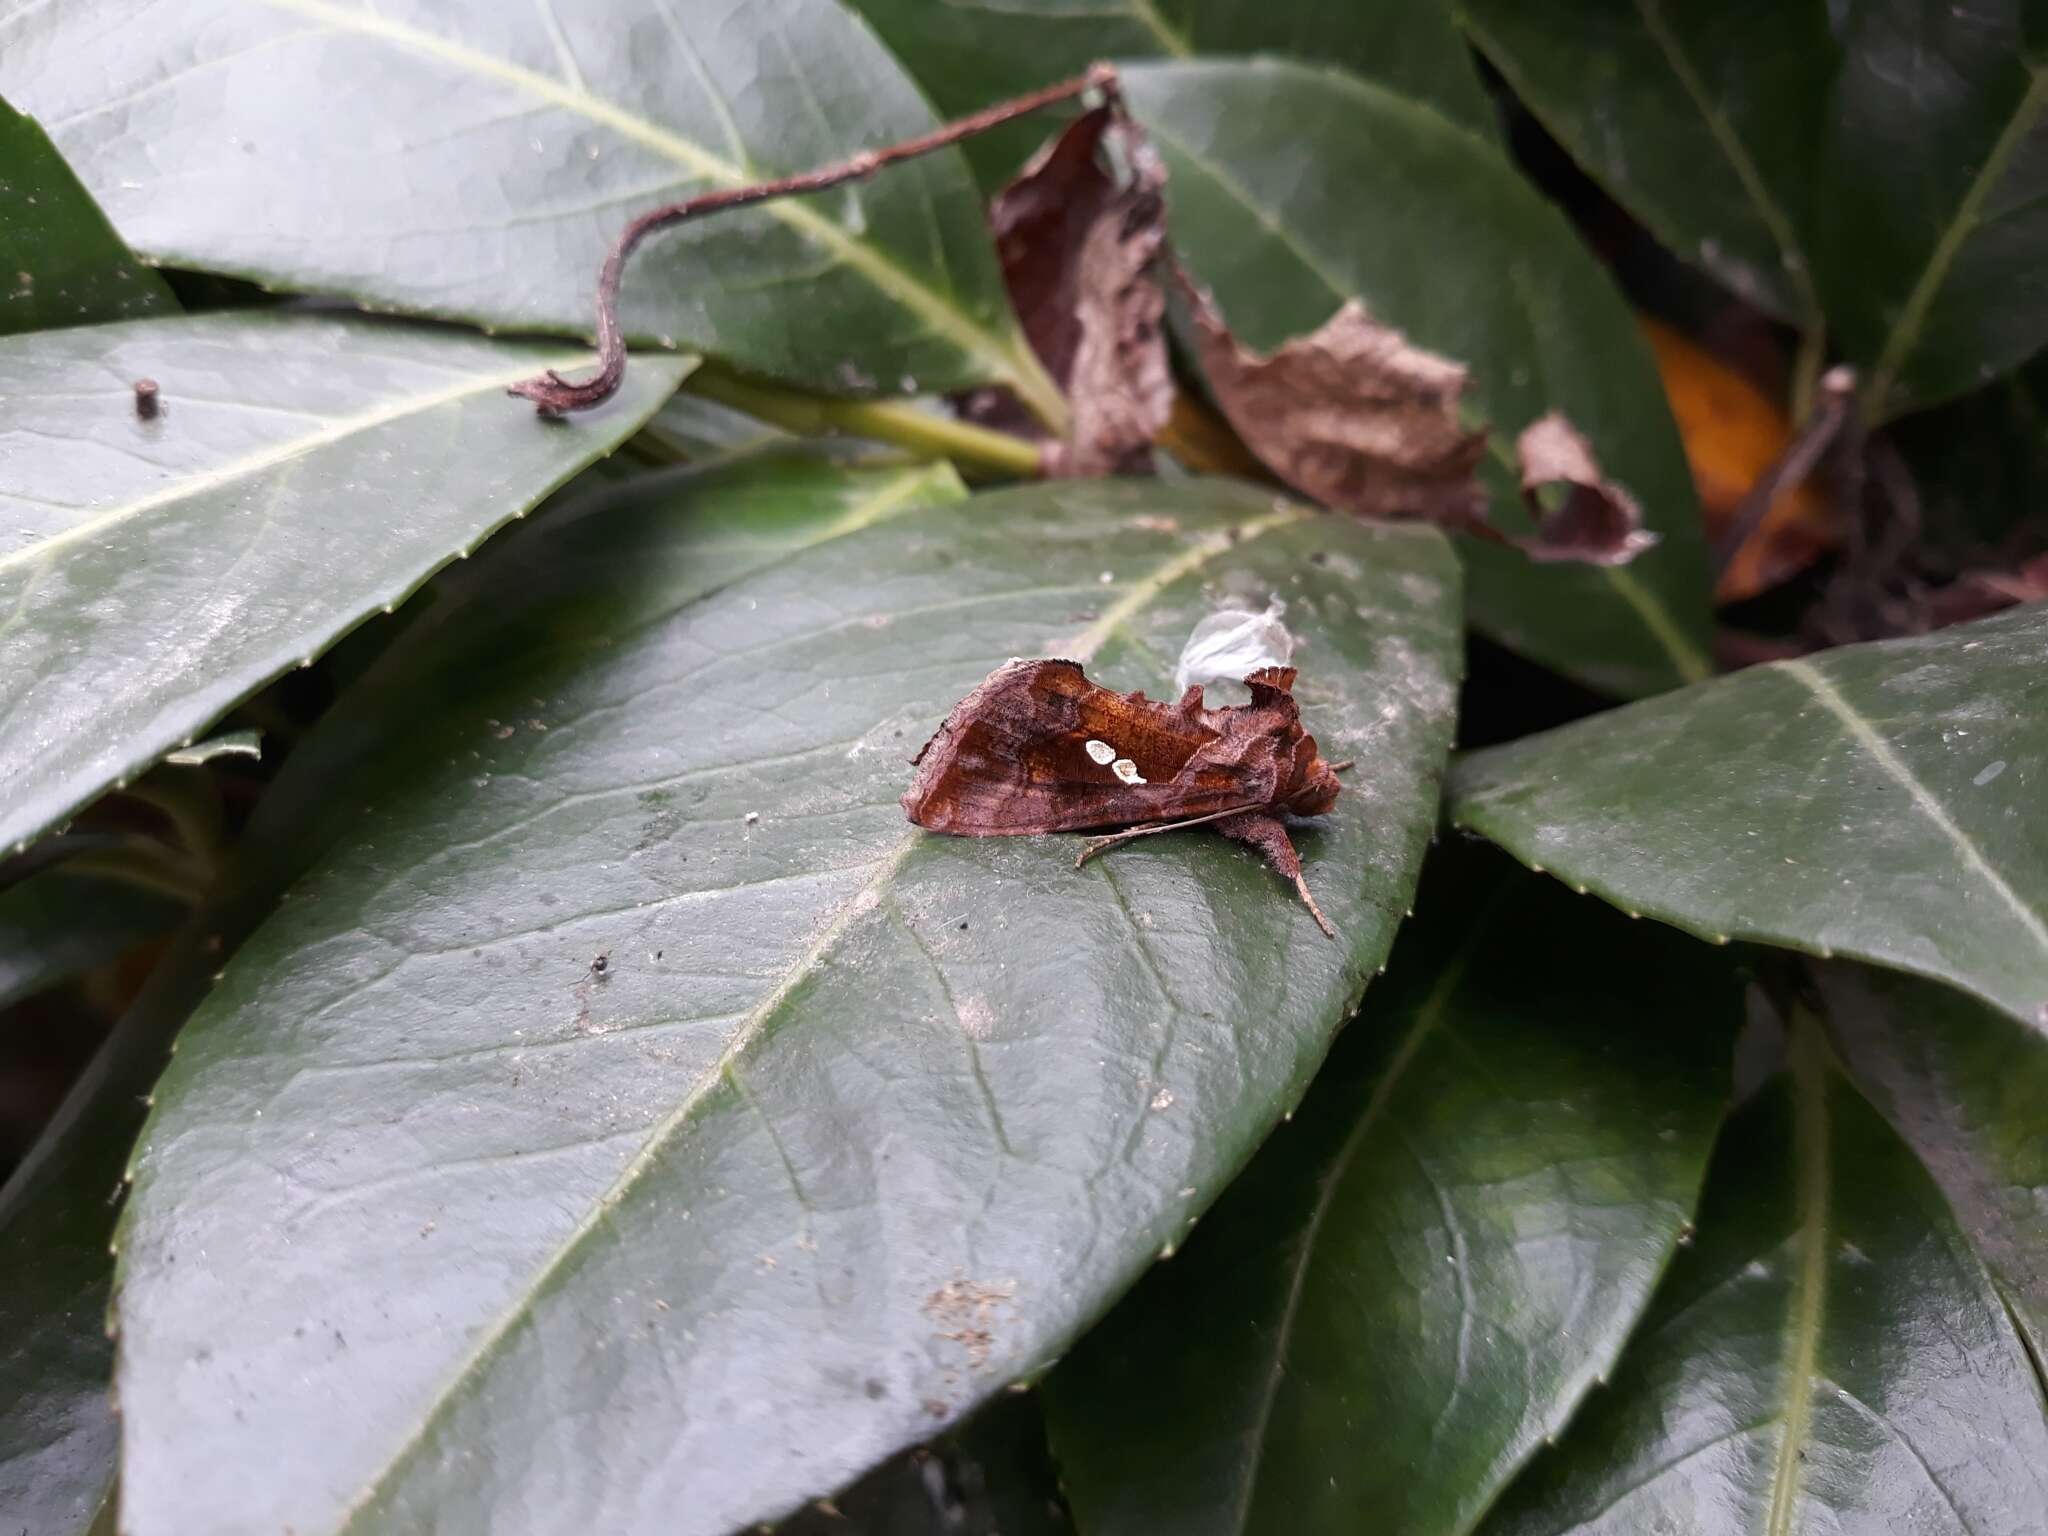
1596	522
1979	594
1352	415
1078	250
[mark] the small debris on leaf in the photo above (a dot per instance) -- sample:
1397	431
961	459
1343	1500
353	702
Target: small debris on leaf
148	399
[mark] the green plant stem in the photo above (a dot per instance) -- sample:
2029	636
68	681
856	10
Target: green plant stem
190	801
1813	355
970	447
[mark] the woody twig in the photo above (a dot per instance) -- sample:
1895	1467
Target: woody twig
554	395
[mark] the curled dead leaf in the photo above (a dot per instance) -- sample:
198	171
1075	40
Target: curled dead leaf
1351	414
1594	521
1980	593
1078	246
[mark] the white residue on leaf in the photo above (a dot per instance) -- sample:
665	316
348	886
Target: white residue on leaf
1991	771
1232	643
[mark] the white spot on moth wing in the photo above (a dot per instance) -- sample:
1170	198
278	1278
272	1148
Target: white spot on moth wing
1102	752
1127	770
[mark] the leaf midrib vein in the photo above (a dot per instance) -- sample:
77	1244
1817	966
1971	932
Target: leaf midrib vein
1001	354
1862	731
1807	1310
1081	648
1427	1018
336	430
1905	333
1791	258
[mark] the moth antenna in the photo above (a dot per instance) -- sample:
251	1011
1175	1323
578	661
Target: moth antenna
1314	911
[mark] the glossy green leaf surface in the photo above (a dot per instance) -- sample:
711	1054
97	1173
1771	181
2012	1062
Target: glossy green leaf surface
1293	190
58	1436
60	261
1880	802
54	925
1880	166
1827	1355
483	157
966	56
1417	1280
305	472
809	1168
1965	1086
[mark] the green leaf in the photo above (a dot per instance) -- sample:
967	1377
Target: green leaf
1765	141
307	472
1879	801
55	925
809	1169
1964	1086
966	56
1828	1355
60	261
58	1437
482	157
58	1433
1293	190
1417	1281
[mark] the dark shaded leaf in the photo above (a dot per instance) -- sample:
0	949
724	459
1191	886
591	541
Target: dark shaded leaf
60	261
1418	1279
1877	166
1828	1355
307	472
966	56
1964	1086
1294	191
483	157
55	925
1078	251
808	1170
1879	801
990	1477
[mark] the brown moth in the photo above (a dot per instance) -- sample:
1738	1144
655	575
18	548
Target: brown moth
1037	748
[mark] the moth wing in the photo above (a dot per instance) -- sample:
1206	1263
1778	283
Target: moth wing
1039	748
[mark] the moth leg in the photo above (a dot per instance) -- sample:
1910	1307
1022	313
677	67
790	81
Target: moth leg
1348	764
1098	845
1268	834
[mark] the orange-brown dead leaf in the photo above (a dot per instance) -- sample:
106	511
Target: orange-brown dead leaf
1733	434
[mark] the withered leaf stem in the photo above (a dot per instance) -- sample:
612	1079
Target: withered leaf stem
554	395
